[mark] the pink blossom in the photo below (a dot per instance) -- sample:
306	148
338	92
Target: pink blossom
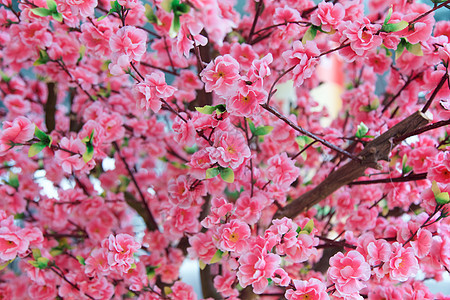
378	251
249	208
245	102
244	54
16	105
328	15
312	288
96	37
221	75
84	8
129	41
281	277
303	248
112	126
152	90
97	262
282	170
202	246
181	290
256	266
421	29
70	161
230	150
19	131
362	35
223	284
440	168
219	208
422	243
403	263
11	244
185	130
121	249
233	236
347	271
303	58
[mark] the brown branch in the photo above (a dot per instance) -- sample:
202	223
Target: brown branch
149	220
409	177
50	107
307	133
376	150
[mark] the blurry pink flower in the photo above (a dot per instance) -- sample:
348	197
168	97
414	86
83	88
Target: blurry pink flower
129	41
68	161
16	105
257	265
202	246
233	236
422	243
313	288
11	244
244	54
245	102
328	15
378	251
121	249
221	75
347	271
230	149
440	168
224	284
303	58
281	277
219	208
112	126
282	170
421	29
403	263
152	89
19	131
248	208
185	130
97	262
303	248
84	8
362	35
181	290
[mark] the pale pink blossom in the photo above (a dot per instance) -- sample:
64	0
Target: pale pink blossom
246	102
257	265
120	251
312	288
129	41
230	150
11	244
221	75
84	8
362	35
152	90
403	263
233	236
348	271
282	170
328	15
202	246
73	160
224	284
303	58
19	131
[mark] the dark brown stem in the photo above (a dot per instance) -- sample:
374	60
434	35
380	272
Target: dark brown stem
69	282
159	68
429	12
378	149
151	223
273	111
255	20
423	129
436	90
409	177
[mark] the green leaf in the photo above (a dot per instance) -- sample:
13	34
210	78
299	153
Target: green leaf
43	58
13	180
81	260
166	5
303	140
394	27
207	109
5	77
41	12
400	48
201	264
415	49
405	168
442	198
45	138
309	226
42	262
57	17
36	253
212	172
310	34
150	14
388	17
87	156
115	7
220	109
361	130
217	257
251	125
5	264
102	17
227	175
263	130
36	148
51	4
175	26
435	188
